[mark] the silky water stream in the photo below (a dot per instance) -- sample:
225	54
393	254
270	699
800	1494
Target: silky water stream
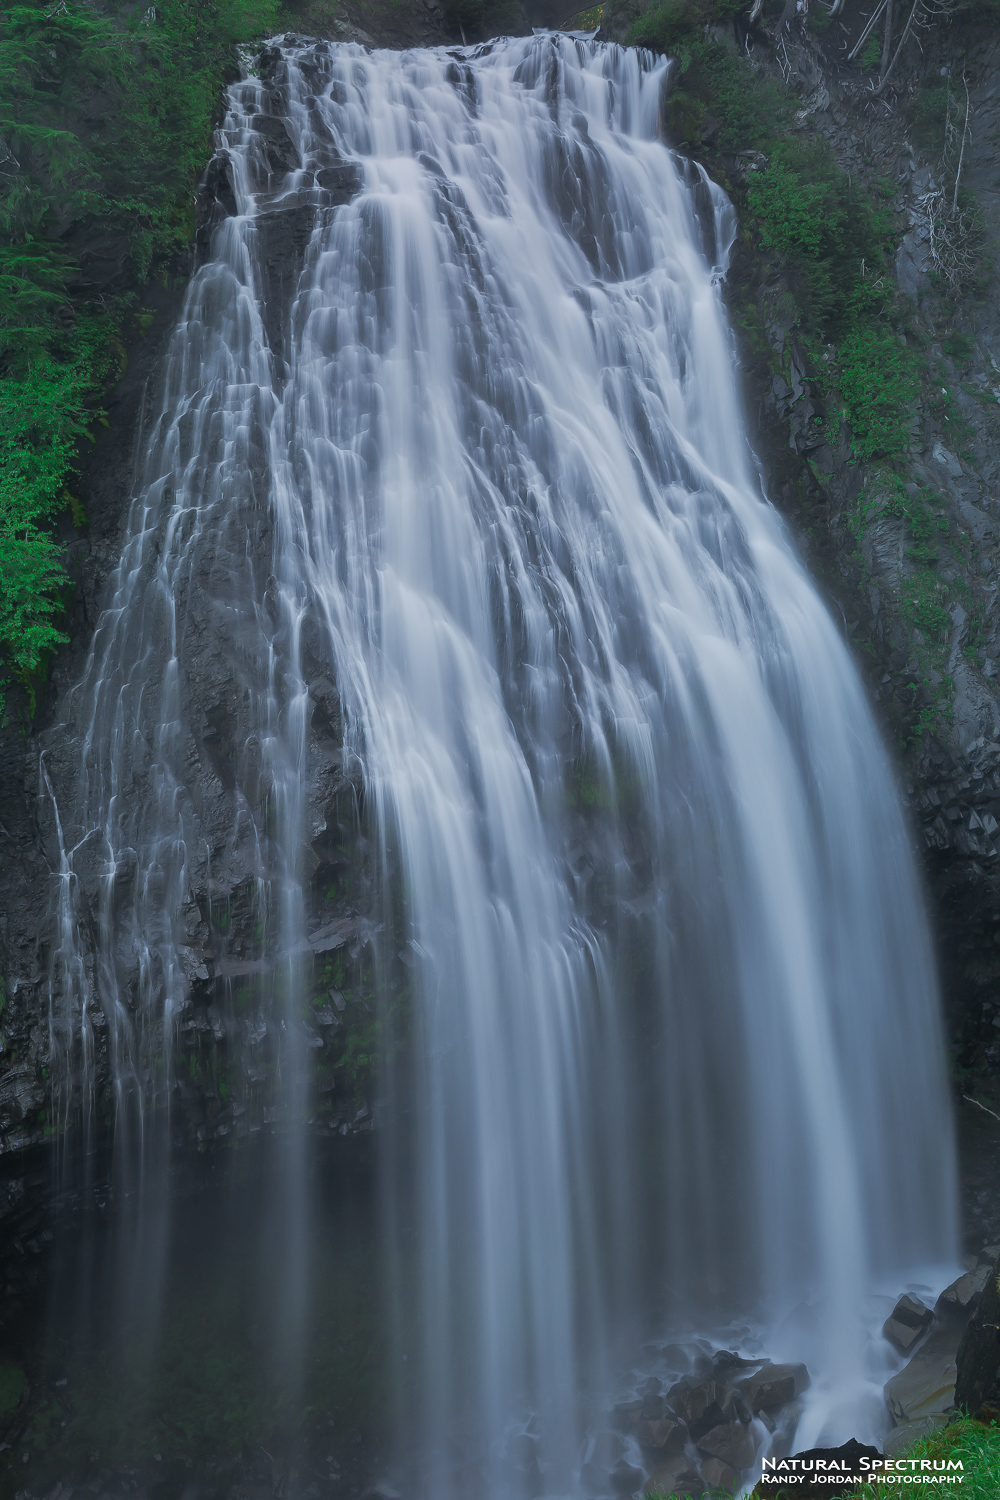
448	510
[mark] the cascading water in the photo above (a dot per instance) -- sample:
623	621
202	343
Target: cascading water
672	1052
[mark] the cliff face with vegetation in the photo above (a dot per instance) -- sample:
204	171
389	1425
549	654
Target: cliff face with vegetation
107	199
864	294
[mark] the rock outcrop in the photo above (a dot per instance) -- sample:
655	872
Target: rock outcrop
977	1382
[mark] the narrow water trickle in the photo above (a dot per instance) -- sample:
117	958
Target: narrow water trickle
465	494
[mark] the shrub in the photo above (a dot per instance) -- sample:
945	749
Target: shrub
674	23
825	225
879	382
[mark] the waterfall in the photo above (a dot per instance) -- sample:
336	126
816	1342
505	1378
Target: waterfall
668	1051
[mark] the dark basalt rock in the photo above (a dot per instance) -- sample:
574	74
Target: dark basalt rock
661	1435
925	1387
731	1442
698	1403
343	180
279	149
905	1324
727	1362
775	1385
978	1359
100	256
678	1476
719	1476
958	1300
624	1479
847	1459
608	1449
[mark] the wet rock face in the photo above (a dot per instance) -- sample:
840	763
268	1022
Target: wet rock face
925	1387
704	1431
775	1386
226	1040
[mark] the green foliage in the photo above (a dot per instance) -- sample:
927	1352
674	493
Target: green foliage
41	416
750	111
879	382
975	1444
670	24
685	118
834	237
361	1052
873	50
588	787
154	76
826	226
959	347
923	597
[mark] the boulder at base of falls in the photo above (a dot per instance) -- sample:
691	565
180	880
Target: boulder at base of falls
774	1385
844	1461
926	1386
677	1476
719	1476
656	1429
901	1437
703	1404
624	1479
907	1322
732	1443
957	1301
978	1359
698	1403
608	1449
661	1435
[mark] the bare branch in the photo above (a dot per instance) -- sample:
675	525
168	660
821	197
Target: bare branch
887	39
969	1100
961	154
867	31
902	43
953	237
